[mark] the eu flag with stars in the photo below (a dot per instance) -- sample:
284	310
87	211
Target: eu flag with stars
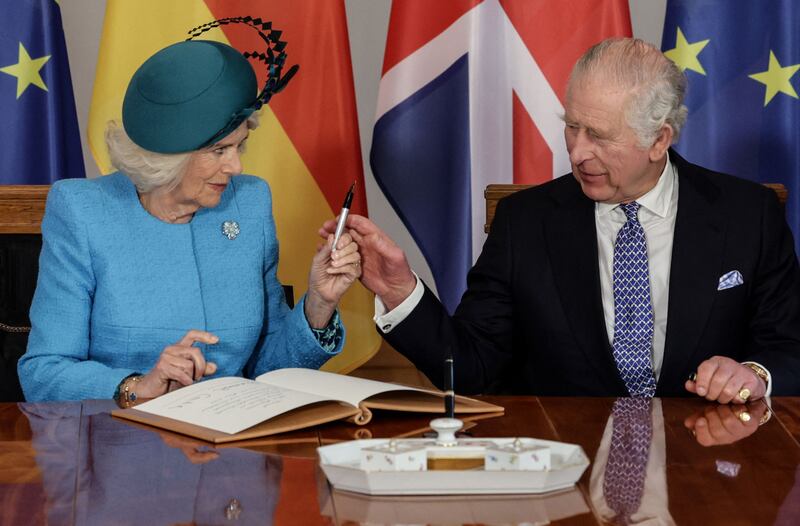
39	138
742	60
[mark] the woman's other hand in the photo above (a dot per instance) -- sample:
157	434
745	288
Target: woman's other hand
196	452
181	363
332	273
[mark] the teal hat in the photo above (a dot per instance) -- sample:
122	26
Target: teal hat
194	93
182	96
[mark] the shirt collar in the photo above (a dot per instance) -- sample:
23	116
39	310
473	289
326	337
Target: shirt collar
657	200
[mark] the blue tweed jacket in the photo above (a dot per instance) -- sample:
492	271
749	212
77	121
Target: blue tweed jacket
116	286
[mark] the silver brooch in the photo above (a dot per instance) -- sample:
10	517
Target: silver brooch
230	229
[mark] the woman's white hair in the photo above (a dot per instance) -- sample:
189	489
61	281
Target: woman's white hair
149	170
656	85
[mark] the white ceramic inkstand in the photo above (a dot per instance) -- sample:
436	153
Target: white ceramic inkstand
452	465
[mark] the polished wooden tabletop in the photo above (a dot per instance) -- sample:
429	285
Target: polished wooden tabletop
72	463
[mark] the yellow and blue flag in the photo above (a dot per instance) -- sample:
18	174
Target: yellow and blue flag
39	138
742	59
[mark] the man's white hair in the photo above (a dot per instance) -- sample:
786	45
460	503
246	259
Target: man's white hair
149	170
656	86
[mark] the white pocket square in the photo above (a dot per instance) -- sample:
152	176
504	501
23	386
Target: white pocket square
730	279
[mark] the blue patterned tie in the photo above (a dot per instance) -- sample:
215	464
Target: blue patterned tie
626	468
633	312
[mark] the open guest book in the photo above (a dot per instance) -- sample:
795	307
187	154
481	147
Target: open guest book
228	409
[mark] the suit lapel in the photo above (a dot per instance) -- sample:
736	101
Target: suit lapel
572	247
697	252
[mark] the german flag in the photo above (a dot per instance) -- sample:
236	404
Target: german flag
307	146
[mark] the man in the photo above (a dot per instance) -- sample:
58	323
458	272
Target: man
641	275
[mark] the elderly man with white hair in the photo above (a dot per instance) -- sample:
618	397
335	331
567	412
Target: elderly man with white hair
641	275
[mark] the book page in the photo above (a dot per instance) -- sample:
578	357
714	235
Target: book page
228	404
330	386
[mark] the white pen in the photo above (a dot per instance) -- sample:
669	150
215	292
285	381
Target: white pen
348	200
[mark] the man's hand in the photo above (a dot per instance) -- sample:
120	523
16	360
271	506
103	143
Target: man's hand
721	379
717	425
384	267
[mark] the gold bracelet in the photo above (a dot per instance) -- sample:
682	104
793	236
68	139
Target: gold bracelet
760	372
128	395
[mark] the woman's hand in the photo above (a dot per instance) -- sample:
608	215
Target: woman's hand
180	362
331	275
195	451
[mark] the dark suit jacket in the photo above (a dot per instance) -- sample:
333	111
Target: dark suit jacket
531	320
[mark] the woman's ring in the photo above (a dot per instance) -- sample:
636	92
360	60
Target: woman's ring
744	393
744	417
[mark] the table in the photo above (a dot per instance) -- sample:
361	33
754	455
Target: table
72	463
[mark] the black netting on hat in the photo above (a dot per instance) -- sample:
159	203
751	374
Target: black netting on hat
274	56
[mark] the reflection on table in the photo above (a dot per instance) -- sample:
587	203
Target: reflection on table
354	508
691	463
135	475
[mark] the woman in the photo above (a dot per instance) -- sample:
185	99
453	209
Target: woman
165	272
